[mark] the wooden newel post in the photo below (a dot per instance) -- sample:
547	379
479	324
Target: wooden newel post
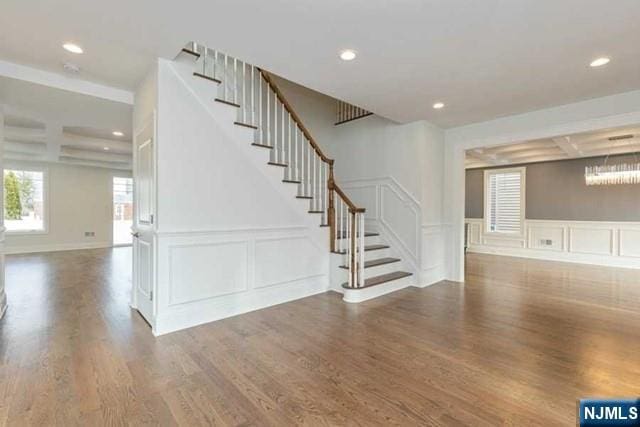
331	210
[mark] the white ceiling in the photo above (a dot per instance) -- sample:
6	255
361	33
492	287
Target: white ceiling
590	144
43	123
483	59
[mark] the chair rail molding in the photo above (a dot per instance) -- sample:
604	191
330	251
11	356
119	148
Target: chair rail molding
607	243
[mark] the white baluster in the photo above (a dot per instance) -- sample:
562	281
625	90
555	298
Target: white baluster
215	63
244	93
290	152
361	250
235	80
253	100
261	132
269	143
348	241
283	154
225	73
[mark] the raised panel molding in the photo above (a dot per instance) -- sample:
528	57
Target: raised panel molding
391	210
286	259
202	271
206	275
629	242
591	242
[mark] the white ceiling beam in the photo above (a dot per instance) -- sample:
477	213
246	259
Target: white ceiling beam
96	144
479	154
93	155
25	148
95	164
565	144
59	81
24	134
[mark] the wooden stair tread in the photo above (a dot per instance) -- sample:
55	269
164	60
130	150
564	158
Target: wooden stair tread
206	77
291	181
378	280
224	101
246	125
376	262
191	52
316	212
255	144
282	165
366	248
366	234
304	197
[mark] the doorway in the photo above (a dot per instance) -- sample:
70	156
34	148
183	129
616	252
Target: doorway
122	211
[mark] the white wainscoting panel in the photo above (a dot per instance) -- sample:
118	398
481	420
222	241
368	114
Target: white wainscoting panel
209	275
629	242
606	243
546	237
201	271
591	240
286	259
392	211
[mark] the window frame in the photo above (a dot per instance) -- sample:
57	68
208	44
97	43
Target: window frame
45	199
523	191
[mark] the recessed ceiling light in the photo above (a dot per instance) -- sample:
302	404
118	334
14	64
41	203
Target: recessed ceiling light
72	47
117	133
438	105
348	55
106	148
600	62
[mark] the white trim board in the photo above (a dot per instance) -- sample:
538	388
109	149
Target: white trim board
55	247
606	243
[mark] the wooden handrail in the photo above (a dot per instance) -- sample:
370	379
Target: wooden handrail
295	117
352	206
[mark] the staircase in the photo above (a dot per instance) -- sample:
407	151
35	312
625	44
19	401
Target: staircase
365	263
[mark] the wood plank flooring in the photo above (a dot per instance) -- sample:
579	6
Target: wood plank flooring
517	344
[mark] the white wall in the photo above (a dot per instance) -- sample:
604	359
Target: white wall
230	237
78	199
601	113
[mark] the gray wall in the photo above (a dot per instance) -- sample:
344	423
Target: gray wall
556	191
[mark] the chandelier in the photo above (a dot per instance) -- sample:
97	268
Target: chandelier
625	173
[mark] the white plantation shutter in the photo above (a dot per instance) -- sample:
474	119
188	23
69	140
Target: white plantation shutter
504	201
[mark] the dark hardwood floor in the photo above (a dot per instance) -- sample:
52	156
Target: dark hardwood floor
516	345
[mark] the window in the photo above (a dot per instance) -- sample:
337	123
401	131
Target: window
504	200
122	210
24	206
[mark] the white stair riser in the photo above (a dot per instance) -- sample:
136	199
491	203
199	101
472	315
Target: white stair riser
378	253
360	295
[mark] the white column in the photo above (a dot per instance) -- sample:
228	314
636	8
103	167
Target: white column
3	295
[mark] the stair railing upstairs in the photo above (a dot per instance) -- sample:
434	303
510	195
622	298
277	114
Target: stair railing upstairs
263	107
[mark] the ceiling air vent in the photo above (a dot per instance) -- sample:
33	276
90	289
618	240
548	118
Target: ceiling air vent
619	137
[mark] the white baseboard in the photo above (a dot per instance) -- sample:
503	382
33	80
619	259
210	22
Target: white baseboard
54	247
205	311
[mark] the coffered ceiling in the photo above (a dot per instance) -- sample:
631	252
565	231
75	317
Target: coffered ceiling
592	144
